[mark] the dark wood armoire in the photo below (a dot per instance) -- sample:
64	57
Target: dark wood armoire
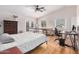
10	27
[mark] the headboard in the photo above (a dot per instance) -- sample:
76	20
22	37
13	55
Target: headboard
10	27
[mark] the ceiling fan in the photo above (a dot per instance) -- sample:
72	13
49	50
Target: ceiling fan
39	8
14	16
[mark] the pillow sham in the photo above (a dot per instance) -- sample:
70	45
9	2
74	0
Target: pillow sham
5	38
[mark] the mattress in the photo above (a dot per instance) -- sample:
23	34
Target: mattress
25	41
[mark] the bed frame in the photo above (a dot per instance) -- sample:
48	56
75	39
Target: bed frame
15	50
11	28
29	52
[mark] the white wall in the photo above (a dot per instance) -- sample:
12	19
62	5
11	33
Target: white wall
21	23
78	15
6	13
67	13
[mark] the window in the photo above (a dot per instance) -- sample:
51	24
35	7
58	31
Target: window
60	24
43	23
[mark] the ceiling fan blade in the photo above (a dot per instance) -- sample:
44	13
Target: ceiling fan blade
42	8
36	6
39	8
41	11
35	10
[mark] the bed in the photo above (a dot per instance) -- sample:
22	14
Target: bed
24	42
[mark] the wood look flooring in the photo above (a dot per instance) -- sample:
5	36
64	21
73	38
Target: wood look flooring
52	47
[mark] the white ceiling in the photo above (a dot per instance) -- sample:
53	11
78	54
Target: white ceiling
27	10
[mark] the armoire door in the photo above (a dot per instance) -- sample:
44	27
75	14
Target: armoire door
10	27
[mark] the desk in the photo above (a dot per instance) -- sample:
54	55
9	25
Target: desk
44	30
74	42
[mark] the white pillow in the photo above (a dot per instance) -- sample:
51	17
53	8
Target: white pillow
5	34
5	38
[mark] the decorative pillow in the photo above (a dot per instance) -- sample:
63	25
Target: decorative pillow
5	38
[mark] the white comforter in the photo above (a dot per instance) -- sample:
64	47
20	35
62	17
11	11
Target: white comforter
25	41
